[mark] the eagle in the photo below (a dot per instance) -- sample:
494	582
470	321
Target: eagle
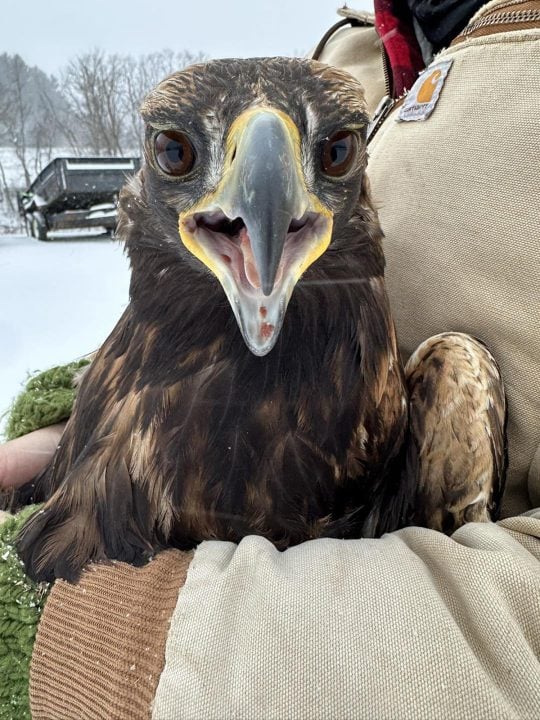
253	384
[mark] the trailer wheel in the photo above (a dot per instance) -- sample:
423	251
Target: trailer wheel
38	226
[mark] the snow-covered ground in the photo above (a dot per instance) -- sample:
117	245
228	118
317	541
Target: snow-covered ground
58	300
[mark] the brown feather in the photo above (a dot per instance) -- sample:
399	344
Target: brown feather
457	425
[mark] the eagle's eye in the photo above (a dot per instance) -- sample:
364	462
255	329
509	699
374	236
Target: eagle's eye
338	153
174	152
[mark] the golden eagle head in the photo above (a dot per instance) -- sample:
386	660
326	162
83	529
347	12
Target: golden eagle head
252	167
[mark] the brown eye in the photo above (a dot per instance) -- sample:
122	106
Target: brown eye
339	152
174	153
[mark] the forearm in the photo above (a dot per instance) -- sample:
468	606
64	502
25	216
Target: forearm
23	458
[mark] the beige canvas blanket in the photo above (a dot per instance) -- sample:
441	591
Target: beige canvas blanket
413	625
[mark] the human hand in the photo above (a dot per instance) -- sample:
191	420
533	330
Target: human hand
22	459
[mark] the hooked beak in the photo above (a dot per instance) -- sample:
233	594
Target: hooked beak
261	229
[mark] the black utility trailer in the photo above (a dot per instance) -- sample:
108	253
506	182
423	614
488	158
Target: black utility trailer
75	193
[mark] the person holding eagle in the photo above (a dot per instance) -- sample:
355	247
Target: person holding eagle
254	384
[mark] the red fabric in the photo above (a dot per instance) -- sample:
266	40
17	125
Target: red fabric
397	36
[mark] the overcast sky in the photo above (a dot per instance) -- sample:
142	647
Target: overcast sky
47	33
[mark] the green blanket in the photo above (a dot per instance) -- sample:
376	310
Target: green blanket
21	605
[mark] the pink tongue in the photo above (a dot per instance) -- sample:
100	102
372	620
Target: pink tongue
250	266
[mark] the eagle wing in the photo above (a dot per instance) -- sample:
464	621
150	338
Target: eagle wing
93	508
456	453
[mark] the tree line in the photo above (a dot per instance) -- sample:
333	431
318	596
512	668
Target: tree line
91	108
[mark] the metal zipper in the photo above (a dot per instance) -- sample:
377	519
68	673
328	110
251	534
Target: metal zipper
386	106
387	102
381	113
501	21
503	18
504	5
387	72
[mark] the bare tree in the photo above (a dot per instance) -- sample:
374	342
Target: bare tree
95	108
104	93
6	192
142	74
93	86
15	111
67	129
27	124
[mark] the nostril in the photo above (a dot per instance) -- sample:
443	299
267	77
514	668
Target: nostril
218	222
297	224
235	226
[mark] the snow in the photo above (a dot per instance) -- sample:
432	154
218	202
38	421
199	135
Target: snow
100	166
58	301
76	233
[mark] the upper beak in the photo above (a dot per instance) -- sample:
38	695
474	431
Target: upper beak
261	228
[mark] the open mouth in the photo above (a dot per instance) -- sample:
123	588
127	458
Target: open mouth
228	248
227	241
261	228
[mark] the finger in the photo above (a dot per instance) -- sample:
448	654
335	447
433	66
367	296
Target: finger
22	459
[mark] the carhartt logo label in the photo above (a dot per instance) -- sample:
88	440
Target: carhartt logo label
428	87
424	94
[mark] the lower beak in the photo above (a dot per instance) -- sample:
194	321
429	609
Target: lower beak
261	228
